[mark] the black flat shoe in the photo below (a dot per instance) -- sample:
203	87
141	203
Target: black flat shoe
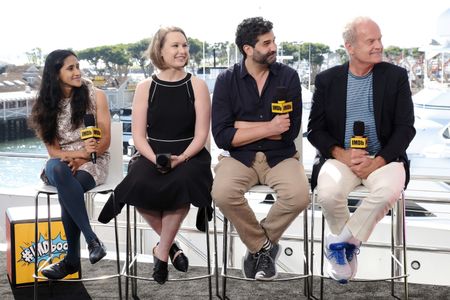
160	269
96	250
59	270
178	259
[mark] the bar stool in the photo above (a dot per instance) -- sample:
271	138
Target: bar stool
399	268
115	174
229	232
130	269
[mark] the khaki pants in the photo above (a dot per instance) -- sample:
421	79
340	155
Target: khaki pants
233	179
336	181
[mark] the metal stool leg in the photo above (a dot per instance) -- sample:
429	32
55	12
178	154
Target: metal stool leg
405	261
312	252
398	232
224	258
216	258
134	255
208	253
36	229
49	230
127	251
306	269
228	234
36	242
131	254
311	255
116	233
322	258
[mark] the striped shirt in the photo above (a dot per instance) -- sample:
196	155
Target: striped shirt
360	108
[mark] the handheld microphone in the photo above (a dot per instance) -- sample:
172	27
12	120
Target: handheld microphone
358	140
280	105
163	162
90	132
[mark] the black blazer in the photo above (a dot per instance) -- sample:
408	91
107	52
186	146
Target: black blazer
393	110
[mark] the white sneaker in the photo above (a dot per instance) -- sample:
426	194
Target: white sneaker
351	253
337	266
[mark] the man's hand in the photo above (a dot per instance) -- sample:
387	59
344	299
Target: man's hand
345	156
280	124
363	166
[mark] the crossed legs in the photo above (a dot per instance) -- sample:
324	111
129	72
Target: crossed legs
166	224
335	182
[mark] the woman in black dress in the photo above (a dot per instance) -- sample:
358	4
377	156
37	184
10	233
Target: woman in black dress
171	117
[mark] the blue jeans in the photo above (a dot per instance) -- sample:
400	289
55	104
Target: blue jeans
71	189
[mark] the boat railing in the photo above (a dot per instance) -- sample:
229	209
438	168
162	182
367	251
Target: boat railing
23	155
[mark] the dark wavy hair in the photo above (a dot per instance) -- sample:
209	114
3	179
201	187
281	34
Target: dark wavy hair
46	109
248	31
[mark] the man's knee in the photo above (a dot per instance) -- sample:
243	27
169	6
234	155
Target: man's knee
297	198
327	197
223	194
387	195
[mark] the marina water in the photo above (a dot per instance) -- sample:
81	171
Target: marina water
21	173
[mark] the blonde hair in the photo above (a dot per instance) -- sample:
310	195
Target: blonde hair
158	40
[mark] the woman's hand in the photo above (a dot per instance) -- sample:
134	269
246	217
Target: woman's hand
74	163
91	146
178	159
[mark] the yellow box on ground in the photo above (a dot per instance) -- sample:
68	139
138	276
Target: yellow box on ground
21	251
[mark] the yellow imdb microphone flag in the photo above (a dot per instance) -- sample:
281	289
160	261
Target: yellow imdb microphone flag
281	107
90	132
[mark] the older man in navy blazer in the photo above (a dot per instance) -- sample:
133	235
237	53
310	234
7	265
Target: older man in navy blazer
378	94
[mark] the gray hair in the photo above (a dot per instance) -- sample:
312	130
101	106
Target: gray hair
349	34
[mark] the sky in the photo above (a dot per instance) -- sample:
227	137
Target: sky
80	24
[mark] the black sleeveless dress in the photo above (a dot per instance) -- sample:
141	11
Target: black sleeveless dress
170	129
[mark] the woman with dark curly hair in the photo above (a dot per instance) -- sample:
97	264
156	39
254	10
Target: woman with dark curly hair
57	117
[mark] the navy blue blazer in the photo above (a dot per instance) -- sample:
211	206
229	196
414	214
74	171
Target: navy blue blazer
393	110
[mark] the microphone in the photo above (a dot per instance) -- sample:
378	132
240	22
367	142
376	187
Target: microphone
358	140
280	105
163	162
90	132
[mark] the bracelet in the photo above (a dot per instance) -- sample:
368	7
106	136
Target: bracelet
186	157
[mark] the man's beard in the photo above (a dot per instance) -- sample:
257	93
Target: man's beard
267	59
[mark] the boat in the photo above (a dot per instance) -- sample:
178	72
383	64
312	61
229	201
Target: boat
125	117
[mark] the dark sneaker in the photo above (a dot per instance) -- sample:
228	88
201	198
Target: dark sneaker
274	252
59	270
338	267
249	265
265	267
96	250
